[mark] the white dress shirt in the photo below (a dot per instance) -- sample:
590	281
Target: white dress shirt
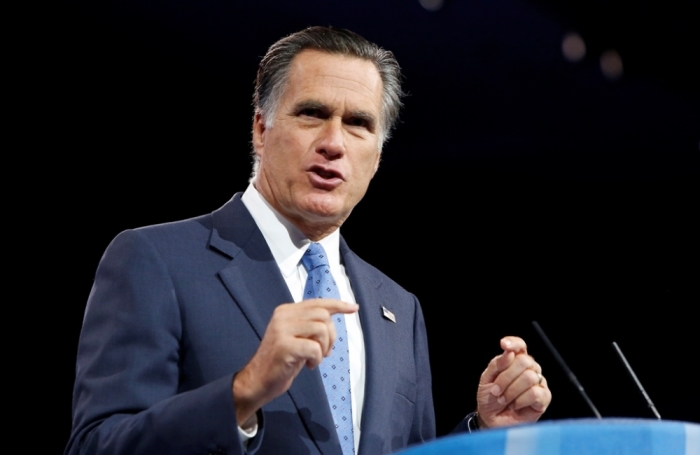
288	245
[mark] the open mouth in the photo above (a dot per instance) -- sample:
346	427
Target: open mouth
325	173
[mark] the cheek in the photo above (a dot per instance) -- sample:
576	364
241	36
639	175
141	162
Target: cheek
278	157
290	151
364	176
370	164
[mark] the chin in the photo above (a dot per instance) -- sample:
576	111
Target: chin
324	212
324	216
322	205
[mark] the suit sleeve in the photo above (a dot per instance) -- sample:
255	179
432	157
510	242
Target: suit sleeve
126	398
423	428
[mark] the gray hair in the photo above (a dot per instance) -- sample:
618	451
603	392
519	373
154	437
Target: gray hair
273	72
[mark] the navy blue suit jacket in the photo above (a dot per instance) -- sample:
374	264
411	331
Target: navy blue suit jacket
176	309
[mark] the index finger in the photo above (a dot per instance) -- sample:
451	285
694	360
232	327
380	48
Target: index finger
509	344
333	306
514	344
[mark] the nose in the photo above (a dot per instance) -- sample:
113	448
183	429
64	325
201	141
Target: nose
331	141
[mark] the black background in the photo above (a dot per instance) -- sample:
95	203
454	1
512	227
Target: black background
535	187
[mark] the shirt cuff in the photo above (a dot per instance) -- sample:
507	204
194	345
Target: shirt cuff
472	422
250	430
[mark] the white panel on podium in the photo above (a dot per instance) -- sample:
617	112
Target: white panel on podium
573	437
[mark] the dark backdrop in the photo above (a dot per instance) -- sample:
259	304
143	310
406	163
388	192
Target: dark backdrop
540	189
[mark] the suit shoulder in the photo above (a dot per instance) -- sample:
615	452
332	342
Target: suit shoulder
176	228
222	232
231	215
163	240
365	270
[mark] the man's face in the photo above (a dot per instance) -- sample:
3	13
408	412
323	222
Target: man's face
317	158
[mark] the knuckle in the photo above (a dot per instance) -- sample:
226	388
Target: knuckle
522	361
280	310
532	376
541	403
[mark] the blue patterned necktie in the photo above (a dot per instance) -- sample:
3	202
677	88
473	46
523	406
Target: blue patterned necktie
335	369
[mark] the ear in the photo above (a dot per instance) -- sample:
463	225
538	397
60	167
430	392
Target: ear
376	164
258	133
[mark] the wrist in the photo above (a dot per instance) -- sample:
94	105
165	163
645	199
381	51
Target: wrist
480	422
244	403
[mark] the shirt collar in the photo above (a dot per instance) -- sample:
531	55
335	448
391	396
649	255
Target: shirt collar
286	242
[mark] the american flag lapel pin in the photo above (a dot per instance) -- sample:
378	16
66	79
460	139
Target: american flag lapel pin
388	314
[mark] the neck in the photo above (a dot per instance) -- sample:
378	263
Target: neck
314	230
316	233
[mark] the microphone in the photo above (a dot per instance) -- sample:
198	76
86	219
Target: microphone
570	374
636	380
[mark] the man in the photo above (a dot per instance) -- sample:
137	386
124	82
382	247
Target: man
191	342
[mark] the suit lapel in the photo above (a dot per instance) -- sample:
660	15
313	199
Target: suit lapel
257	287
380	364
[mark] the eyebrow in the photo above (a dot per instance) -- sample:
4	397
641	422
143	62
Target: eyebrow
366	116
309	104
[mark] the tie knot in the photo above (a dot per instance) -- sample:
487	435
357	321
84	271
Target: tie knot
314	256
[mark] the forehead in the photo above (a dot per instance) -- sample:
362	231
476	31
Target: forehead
331	78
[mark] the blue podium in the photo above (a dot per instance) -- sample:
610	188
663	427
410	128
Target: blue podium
573	437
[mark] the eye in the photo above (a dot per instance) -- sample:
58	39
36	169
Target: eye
361	119
310	112
358	121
